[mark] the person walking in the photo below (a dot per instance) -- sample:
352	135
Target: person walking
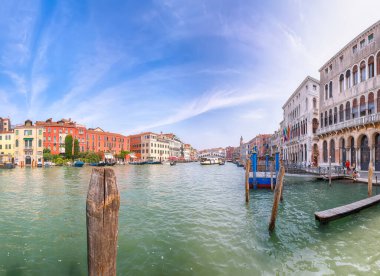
348	166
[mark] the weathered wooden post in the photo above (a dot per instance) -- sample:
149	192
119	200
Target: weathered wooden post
370	174
102	214
277	195
247	169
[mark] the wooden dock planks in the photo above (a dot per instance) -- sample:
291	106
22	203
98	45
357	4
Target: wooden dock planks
342	211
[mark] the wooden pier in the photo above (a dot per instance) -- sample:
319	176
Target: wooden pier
342	211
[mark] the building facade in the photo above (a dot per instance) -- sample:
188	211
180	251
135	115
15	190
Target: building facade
55	134
98	140
300	123
7	146
350	104
28	141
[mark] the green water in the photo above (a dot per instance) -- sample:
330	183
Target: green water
184	220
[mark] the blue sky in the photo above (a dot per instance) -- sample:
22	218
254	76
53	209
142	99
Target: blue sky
209	71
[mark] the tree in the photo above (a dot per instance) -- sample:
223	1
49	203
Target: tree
76	148
69	146
47	155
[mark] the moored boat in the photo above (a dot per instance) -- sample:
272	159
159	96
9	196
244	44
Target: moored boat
78	164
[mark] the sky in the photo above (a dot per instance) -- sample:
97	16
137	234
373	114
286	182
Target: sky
208	71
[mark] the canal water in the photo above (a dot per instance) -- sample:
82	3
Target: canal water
184	220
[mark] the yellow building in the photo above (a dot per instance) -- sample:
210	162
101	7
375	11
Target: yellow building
28	144
7	147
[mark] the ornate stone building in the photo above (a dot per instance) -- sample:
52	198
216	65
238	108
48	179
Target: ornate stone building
350	103
300	122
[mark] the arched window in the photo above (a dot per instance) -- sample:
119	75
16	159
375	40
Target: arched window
378	101
322	119
348	79
371	67
332	150
341	113
355	74
315	124
362	106
326	118
330	89
341	83
335	115
314	103
355	109
348	111
362	71
326	91
325	151
371	103
378	64
330	117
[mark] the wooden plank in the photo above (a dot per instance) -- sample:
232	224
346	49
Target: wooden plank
345	210
102	214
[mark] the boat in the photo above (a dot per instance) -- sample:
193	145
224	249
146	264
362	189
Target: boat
137	162
221	161
98	164
173	163
209	161
7	166
110	163
78	164
39	164
151	162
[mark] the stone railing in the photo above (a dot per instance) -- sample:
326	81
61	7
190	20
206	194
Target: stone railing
350	123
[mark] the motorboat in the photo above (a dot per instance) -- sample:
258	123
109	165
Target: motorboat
209	161
78	164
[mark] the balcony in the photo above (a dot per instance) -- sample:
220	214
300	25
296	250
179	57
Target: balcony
350	123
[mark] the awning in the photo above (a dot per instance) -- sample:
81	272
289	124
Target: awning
28	139
108	156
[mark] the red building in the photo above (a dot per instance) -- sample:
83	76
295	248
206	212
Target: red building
55	133
135	144
99	140
230	153
261	142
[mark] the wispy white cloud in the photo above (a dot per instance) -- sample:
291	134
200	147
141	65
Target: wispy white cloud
207	102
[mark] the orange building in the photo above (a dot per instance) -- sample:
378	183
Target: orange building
99	140
135	144
54	134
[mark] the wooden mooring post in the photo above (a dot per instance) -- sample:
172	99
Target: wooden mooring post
370	174
102	215
277	195
247	169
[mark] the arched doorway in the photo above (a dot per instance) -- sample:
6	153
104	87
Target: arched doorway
332	150
364	153
316	154
343	150
28	160
352	151
325	151
377	152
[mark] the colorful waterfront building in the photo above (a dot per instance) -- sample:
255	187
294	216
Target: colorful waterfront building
109	143
28	141
6	141
56	132
300	123
154	147
5	124
350	104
